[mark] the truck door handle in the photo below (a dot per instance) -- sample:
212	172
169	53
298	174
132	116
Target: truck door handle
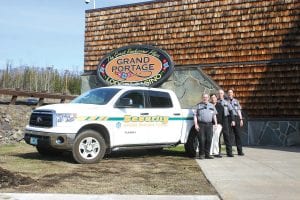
144	113
177	114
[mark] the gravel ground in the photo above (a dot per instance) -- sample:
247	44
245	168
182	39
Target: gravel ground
129	172
13	119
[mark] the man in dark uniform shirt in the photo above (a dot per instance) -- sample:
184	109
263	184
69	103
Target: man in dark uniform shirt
237	121
227	120
204	116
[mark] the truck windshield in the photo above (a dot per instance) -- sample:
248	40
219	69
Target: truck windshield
99	96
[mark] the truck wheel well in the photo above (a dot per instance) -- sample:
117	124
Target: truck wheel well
192	130
191	143
100	129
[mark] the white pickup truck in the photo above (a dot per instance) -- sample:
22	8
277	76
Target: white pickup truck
111	118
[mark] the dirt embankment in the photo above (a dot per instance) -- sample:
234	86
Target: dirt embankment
13	119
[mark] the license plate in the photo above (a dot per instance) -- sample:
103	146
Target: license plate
33	141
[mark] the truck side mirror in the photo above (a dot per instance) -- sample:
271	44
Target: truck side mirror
125	103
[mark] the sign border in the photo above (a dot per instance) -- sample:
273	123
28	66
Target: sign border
137	47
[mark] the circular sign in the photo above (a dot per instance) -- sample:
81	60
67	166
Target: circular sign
135	65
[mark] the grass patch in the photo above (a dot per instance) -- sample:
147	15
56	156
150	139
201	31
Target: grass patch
21	157
128	172
178	148
10	148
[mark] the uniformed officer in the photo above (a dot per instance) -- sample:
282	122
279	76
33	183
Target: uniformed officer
237	121
227	116
203	118
220	119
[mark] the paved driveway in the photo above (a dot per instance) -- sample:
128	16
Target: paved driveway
263	173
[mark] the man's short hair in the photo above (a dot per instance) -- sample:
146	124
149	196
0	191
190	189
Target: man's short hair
213	94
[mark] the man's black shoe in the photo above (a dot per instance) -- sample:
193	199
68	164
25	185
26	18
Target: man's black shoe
201	157
218	156
209	157
241	154
230	155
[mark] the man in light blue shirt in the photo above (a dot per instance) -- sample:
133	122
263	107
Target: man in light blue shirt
204	117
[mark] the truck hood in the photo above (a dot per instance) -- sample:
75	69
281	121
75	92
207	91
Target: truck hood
71	107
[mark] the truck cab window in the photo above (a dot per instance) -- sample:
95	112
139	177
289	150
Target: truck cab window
99	96
137	98
160	99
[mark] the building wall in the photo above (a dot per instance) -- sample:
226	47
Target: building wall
265	89
273	132
197	31
260	39
250	46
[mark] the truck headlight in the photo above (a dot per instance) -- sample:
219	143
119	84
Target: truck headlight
65	117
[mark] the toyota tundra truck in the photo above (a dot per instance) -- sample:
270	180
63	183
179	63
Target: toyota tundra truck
110	118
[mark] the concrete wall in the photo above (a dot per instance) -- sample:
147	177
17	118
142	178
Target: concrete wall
189	84
274	132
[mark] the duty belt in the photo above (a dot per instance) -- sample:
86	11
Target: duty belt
207	123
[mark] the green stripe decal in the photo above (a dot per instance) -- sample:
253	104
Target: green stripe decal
115	119
170	118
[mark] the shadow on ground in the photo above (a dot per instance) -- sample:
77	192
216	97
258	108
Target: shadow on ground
115	155
295	149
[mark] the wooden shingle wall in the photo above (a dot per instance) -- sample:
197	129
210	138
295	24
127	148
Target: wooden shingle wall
245	44
264	90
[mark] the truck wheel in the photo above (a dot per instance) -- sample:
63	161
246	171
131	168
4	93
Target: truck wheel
89	147
192	144
48	151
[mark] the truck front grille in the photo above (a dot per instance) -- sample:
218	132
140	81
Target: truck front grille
41	118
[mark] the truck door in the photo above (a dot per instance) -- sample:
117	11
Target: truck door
166	124
129	108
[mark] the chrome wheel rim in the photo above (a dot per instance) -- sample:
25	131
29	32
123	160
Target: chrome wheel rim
89	148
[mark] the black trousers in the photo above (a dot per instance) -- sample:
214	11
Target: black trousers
236	130
204	137
226	136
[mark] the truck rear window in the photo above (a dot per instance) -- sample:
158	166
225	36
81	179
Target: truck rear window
99	96
160	99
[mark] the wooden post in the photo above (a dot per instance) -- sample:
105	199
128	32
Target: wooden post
13	100
41	101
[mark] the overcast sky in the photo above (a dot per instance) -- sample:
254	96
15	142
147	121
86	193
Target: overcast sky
45	32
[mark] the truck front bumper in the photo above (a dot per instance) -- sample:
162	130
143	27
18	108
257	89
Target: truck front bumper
45	139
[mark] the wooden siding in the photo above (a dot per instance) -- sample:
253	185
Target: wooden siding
265	90
196	31
213	34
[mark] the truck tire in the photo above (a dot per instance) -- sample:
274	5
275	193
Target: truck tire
89	147
48	151
192	144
